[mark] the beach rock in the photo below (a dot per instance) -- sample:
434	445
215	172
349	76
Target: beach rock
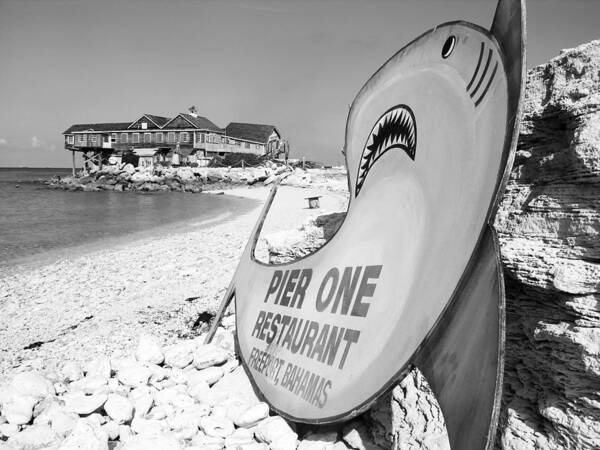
125	433
157	442
118	408
34	437
179	355
134	376
72	371
236	384
239	437
142	399
89	384
147	427
82	404
111	428
202	441
209	355
274	430
318	441
8	430
216	426
32	384
149	350
250	446
225	340
356	435
210	375
63	423
86	435
99	367
252	416
18	409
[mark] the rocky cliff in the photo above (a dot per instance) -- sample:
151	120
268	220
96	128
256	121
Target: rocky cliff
549	226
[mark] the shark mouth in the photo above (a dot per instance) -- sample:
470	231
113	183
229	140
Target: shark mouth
397	128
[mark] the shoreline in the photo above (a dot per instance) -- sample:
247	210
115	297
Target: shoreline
100	301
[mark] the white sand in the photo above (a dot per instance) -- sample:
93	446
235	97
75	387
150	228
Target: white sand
100	302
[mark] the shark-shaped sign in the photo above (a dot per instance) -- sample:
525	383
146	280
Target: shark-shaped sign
412	277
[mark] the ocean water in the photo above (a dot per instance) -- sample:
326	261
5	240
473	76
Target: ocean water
36	221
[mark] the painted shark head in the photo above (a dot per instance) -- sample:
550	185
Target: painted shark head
456	70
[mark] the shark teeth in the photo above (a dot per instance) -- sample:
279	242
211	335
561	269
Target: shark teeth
397	128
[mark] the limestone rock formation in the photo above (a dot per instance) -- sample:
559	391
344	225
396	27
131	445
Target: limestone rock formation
549	227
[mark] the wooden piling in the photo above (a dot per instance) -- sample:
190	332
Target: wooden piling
73	154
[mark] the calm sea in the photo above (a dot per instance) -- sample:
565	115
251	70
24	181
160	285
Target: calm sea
36	221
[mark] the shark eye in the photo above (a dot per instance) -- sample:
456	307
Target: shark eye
448	47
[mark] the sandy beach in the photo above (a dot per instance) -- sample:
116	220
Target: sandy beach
100	301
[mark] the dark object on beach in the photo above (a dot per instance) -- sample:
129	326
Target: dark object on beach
17	186
313	202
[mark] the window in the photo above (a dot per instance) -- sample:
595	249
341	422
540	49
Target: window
247	145
170	136
81	138
184	136
136	138
124	138
93	138
202	138
147	138
113	138
222	139
144	125
159	137
70	139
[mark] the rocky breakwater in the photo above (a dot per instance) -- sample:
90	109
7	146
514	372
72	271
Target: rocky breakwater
196	179
186	395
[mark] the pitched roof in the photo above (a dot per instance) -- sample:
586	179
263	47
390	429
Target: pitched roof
199	122
97	127
158	120
250	131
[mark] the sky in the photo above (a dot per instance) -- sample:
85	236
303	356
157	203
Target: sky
294	64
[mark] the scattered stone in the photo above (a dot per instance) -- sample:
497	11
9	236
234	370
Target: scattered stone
149	350
34	437
111	428
179	355
134	376
216	426
239	437
209	355
89	384
156	442
63	423
118	408
99	367
72	371
82	404
142	399
252	416
210	375
318	441
18	410
8	429
86	435
201	440
148	427
32	384
273	429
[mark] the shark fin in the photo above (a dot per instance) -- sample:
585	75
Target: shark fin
462	358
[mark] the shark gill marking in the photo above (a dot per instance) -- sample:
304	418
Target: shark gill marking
396	128
480	78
